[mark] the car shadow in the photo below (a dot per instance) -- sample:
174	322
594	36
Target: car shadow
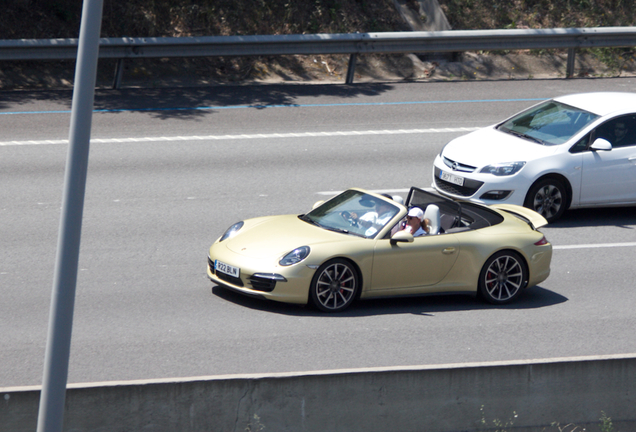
426	305
606	216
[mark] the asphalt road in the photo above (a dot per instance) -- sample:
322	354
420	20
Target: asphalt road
170	170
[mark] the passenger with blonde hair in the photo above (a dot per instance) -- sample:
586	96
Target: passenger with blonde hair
416	224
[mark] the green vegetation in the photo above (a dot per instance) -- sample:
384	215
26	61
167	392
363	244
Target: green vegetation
257	426
139	18
606	423
535	14
506	14
495	425
498	425
155	18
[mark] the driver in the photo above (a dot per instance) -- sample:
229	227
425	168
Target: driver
374	219
620	134
382	214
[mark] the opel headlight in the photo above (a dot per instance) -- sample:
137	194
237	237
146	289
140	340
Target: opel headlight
503	169
231	231
295	256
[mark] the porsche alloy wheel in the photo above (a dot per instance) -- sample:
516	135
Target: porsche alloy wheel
334	286
502	278
547	197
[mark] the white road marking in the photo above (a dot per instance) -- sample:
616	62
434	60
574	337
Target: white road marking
597	245
378	191
300	135
245	136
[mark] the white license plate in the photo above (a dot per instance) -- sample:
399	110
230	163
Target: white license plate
226	268
452	178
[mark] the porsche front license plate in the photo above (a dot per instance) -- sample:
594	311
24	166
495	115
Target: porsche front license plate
452	178
226	268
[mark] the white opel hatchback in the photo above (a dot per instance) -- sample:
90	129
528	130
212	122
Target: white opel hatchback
568	152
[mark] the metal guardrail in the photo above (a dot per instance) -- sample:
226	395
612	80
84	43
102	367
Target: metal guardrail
346	43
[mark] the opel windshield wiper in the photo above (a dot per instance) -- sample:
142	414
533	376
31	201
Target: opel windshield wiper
522	135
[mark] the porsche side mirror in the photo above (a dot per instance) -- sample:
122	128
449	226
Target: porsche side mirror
402	237
318	203
601	144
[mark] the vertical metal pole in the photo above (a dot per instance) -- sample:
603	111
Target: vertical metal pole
51	411
351	69
569	71
119	72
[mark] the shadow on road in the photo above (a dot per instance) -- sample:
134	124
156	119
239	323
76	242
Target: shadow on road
195	102
533	298
595	217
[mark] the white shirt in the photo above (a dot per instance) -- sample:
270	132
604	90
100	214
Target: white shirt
375	219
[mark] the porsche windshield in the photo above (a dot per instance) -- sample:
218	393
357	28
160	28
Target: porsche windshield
549	123
353	212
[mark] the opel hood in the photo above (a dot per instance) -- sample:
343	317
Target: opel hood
489	146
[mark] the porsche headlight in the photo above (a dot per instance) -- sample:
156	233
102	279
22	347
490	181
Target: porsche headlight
295	256
503	169
231	231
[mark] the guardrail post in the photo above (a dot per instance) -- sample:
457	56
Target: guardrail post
351	69
569	72
119	72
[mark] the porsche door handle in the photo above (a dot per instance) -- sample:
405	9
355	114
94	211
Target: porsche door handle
448	250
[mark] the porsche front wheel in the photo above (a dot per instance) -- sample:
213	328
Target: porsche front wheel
502	278
334	286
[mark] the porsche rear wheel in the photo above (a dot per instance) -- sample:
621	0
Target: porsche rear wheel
503	277
334	286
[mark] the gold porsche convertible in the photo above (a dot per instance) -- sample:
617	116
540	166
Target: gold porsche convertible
354	246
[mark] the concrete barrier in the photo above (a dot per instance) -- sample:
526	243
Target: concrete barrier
527	395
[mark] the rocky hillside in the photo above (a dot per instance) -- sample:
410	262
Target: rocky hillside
60	18
135	18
